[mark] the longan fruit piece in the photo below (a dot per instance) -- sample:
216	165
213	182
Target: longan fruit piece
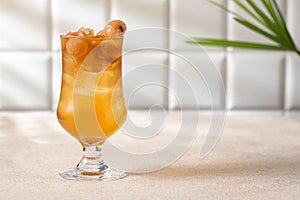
115	27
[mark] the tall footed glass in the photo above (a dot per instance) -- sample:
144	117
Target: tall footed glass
91	106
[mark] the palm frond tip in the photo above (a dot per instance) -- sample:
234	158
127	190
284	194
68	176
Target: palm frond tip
271	22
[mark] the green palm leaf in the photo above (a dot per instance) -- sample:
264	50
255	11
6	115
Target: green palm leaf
281	19
240	44
272	26
276	28
247	10
256	29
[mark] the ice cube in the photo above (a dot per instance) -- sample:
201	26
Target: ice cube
86	79
76	47
85	32
109	50
101	33
71	64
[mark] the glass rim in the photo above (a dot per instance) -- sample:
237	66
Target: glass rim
92	37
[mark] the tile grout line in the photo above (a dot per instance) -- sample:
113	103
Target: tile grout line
50	87
285	72
109	10
283	88
169	18
227	62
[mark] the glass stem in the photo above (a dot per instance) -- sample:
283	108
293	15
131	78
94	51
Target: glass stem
91	161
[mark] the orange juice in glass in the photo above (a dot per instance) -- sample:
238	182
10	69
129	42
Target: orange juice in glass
91	105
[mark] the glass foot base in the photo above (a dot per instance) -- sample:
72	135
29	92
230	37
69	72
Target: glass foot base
107	174
92	167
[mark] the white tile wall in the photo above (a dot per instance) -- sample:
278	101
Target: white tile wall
293	80
24	82
194	18
30	67
24	25
239	32
255	80
145	78
293	7
69	15
140	14
195	84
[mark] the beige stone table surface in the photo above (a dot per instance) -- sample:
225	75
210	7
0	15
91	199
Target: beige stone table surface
257	157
